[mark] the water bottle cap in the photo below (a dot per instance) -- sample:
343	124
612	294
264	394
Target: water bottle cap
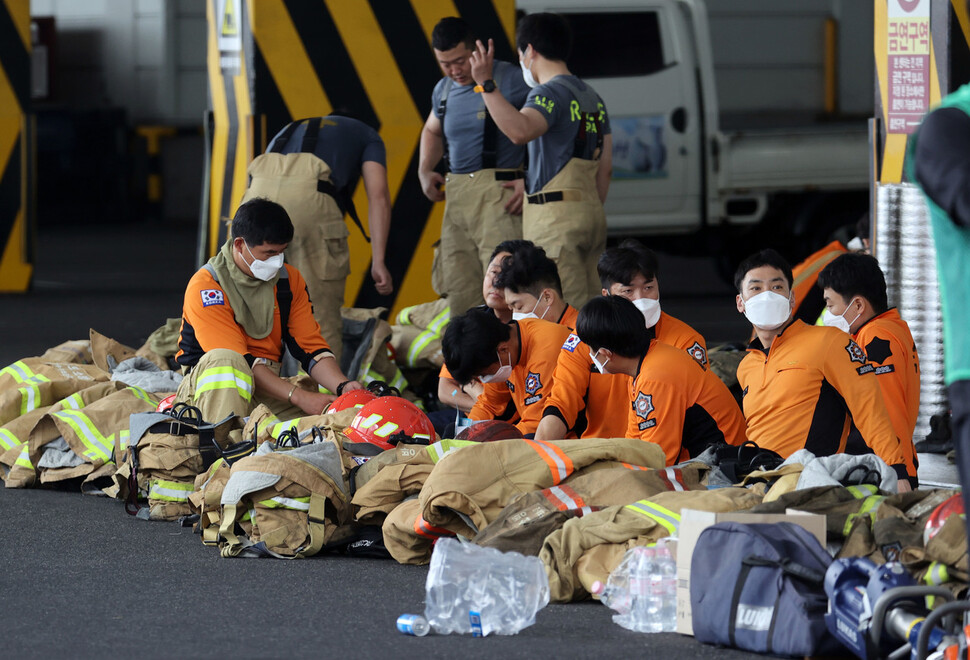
598	587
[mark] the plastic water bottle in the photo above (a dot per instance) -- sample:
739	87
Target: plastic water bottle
471	589
667	568
616	598
635	586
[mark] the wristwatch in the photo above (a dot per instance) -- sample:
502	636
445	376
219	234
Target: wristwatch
487	86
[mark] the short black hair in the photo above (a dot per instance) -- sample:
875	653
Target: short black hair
613	323
853	274
548	34
766	257
261	221
451	31
529	270
621	264
510	246
470	343
862	226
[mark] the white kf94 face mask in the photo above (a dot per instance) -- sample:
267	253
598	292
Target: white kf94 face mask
838	320
518	316
264	269
767	310
650	309
503	373
600	366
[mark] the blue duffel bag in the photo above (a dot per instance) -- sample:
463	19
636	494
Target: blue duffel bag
760	588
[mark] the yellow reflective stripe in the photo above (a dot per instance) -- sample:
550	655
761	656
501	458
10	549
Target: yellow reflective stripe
280	502
863	491
19	371
98	447
23	460
867	509
75	401
123	437
426	337
936	574
248	515
442	448
399	381
282	426
404	316
141	394
8	440
169	491
225	378
665	517
30	398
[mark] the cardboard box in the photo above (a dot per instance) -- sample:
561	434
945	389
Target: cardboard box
693	522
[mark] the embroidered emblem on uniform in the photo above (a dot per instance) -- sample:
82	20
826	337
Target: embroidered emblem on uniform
643	406
532	386
213	297
698	353
511	386
856	354
572	341
744	392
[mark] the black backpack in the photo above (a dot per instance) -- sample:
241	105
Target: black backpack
760	587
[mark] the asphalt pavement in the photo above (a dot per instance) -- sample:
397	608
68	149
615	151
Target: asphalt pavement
81	578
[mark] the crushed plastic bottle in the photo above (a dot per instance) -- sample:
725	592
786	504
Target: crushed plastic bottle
642	589
471	589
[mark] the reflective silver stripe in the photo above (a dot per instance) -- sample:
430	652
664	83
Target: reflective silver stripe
169	490
442	448
98	446
542	448
75	401
675	477
287	503
569	500
8	440
665	517
18	371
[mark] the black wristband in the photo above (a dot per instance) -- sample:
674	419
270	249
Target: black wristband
340	388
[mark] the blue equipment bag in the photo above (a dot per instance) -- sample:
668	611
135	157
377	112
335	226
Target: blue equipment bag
760	588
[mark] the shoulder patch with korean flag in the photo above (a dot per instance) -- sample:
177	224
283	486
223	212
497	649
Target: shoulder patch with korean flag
213	297
572	341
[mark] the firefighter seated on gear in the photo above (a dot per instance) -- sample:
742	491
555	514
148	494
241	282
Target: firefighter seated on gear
804	384
674	402
463	396
854	289
530	282
595	405
515	361
240	309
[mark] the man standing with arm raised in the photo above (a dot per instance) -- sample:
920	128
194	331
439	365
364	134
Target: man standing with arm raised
565	125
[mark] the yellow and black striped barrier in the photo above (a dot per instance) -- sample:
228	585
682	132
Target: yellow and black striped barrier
16	148
274	61
921	54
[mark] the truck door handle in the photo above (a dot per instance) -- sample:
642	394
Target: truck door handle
678	120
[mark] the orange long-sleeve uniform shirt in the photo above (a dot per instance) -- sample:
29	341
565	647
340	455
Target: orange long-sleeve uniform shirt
208	322
679	405
808	297
891	351
590	404
801	392
594	405
531	378
674	332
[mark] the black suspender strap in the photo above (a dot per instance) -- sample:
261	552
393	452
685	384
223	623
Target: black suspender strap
344	202
442	106
284	137
489	139
284	297
309	145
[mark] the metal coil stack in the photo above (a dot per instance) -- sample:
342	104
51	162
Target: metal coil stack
903	244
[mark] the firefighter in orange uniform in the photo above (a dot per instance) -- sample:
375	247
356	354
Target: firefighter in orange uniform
804	385
674	402
515	361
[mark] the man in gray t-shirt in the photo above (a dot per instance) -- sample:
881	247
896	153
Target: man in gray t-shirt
567	129
311	167
484	188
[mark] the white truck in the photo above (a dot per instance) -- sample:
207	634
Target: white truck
771	168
